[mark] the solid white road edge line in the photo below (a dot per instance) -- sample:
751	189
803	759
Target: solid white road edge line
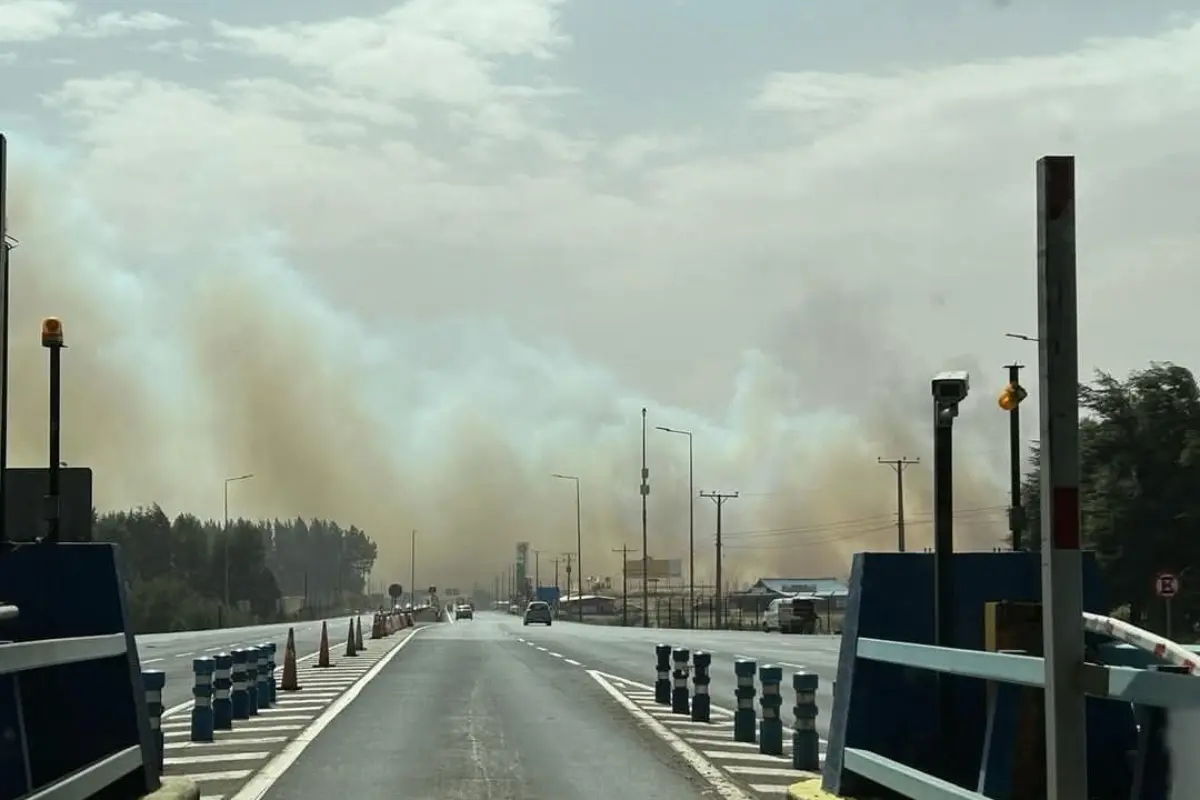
261	783
705	768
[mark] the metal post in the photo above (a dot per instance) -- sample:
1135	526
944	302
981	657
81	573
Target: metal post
153	683
1016	513
1062	583
412	568
806	744
579	548
4	308
691	538
52	339
202	692
770	730
222	691
645	490
239	699
701	700
662	679
679	694
743	716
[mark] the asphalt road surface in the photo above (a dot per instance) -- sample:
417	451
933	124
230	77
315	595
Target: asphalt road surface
465	710
629	653
173	652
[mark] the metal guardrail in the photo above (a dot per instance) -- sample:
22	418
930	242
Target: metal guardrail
19	657
1125	684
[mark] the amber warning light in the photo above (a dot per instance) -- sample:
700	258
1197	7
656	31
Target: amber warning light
1012	396
52	332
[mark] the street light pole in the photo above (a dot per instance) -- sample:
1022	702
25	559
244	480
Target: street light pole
412	567
578	540
691	524
228	481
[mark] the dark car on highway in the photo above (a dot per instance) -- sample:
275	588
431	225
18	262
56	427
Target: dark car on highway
538	611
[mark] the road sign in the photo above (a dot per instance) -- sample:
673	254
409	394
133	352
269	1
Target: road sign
1166	585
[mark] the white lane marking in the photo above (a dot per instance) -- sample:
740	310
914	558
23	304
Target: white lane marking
231	737
556	655
761	788
572	662
216	758
543	649
261	783
770	772
703	767
793	666
741	755
258	740
185	655
227	775
150	660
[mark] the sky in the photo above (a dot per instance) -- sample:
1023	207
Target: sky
404	261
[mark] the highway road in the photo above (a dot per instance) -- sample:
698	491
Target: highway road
173	652
488	708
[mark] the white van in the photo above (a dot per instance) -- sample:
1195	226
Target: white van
781	615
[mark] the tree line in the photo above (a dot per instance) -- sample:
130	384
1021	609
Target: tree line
181	571
1139	481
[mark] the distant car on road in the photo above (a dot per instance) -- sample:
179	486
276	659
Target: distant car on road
464	612
538	611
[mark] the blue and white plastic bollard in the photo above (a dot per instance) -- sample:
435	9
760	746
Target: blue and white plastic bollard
680	699
770	730
239	700
272	685
202	692
662	681
222	688
744	721
253	656
153	681
701	701
806	745
264	676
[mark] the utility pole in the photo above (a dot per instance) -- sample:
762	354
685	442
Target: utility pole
412	566
625	553
4	306
537	570
719	498
568	557
556	575
899	465
645	553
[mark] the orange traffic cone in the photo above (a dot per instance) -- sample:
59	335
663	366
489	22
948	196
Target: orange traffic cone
358	639
323	661
350	651
289	682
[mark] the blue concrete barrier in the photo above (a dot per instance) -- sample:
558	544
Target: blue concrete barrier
770	730
154	681
264	680
662	681
202	694
72	699
744	720
806	743
701	700
239	698
222	692
680	695
252	667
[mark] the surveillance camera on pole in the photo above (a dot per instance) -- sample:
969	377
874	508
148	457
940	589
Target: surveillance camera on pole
949	389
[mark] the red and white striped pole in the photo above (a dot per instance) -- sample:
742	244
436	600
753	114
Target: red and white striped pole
1062	573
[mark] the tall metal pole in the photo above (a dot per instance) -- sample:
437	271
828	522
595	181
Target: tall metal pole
1016	513
412	565
52	339
537	570
4	306
645	490
579	547
691	523
943	559
719	498
1062	580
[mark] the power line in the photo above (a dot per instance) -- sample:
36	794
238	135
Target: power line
898	466
918	519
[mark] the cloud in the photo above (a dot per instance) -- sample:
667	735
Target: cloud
37	20
331	235
33	20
